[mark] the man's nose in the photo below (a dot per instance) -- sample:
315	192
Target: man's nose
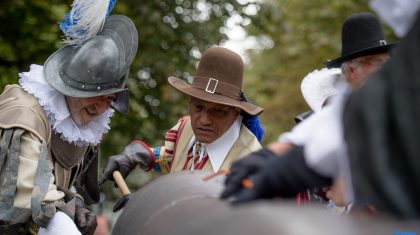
102	105
205	118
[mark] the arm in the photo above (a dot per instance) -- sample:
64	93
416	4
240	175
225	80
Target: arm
30	150
27	182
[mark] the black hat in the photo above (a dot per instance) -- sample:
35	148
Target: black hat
361	35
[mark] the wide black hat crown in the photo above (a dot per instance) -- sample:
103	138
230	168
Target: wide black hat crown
361	35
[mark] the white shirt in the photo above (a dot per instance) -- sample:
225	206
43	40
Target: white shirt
322	136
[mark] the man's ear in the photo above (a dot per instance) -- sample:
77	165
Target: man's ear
352	76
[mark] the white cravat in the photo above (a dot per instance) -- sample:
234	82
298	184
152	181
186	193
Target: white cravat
198	151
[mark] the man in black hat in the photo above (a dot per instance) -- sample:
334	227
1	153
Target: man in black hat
52	123
314	154
222	126
381	122
364	48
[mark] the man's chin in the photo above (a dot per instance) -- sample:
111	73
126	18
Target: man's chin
81	123
205	139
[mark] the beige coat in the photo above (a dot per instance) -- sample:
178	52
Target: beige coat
174	154
20	110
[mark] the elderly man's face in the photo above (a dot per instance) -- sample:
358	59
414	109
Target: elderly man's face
365	66
210	120
84	110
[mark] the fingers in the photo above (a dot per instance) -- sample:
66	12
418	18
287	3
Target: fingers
245	195
106	176
234	183
86	221
91	223
81	217
230	190
110	167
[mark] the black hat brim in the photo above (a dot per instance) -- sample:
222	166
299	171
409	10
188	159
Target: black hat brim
336	63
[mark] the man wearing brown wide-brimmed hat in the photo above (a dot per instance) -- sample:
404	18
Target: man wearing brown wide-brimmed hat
221	127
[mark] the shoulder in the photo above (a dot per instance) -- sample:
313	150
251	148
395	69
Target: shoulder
180	124
19	109
248	140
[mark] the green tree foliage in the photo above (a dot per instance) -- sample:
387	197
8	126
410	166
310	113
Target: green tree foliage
28	34
298	36
302	35
172	34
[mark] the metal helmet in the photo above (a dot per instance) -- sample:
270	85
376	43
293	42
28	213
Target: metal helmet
99	65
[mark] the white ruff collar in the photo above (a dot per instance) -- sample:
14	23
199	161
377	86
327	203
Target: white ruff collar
55	106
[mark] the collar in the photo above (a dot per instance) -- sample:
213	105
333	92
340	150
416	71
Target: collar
218	149
55	107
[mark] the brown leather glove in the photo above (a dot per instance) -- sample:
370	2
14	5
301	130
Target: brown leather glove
135	154
84	218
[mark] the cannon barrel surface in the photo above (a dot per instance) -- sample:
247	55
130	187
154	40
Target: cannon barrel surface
170	200
184	204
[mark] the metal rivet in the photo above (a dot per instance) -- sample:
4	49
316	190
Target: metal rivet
99	87
83	86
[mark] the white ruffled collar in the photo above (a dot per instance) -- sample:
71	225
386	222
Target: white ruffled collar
54	105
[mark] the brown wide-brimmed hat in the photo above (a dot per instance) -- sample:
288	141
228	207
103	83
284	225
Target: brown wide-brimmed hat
218	79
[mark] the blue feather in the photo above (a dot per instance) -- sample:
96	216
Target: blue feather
111	6
67	23
254	125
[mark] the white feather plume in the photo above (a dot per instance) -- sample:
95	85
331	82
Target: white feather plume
318	85
87	18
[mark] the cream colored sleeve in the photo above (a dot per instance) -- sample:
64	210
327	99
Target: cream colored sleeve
28	161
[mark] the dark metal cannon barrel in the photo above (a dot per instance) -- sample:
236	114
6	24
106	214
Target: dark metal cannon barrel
184	204
169	201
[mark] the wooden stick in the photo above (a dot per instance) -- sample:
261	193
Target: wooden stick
246	183
220	172
119	180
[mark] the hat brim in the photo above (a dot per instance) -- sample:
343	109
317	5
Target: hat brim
187	89
336	63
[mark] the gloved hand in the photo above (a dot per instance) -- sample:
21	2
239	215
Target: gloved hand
84	218
135	154
260	190
282	176
244	169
